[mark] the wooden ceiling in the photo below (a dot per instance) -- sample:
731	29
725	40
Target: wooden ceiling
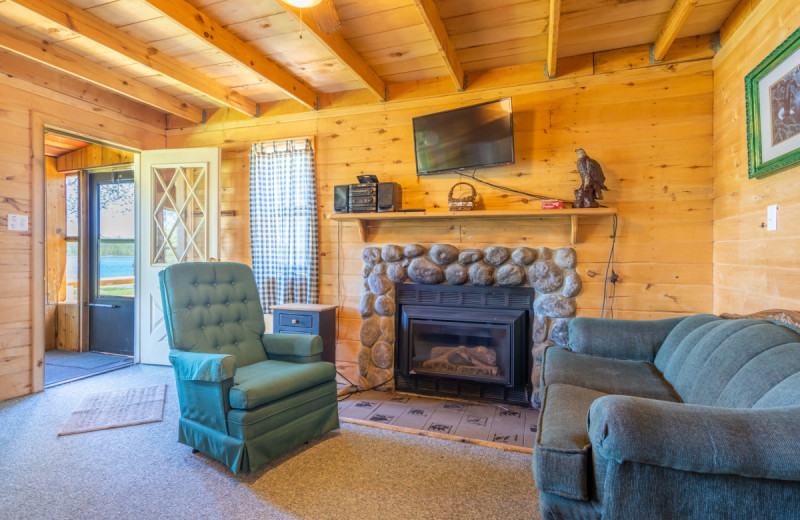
184	57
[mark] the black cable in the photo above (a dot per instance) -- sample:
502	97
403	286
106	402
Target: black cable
347	395
511	190
609	266
345	378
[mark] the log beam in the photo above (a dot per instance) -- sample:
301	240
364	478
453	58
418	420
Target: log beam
87	25
430	15
248	55
672	26
57	57
552	38
340	49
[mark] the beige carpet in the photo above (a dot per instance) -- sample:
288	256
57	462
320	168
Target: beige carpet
104	410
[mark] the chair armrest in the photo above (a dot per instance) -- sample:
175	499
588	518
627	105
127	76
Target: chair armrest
621	339
196	366
756	443
296	348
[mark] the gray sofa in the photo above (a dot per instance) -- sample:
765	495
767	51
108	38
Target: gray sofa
695	417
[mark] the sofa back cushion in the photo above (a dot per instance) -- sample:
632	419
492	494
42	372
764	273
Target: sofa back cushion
213	308
732	363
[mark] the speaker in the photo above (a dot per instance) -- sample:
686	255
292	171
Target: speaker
389	196
340	196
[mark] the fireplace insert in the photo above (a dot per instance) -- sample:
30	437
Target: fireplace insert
464	340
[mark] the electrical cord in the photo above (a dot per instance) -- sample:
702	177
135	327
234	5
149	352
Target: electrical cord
351	393
511	190
614	277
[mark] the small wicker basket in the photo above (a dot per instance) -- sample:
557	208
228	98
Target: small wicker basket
464	202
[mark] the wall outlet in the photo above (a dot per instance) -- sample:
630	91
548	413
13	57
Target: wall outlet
17	222
772	217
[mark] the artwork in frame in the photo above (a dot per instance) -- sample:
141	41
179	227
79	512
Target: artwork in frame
772	92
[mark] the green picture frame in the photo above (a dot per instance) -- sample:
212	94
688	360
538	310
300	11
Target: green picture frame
772	95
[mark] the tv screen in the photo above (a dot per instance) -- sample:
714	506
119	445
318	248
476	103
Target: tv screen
476	136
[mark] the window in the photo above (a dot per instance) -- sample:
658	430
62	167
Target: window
72	273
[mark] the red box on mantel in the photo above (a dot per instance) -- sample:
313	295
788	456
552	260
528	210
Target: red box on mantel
552	204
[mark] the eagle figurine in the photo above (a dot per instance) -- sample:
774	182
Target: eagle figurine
592	181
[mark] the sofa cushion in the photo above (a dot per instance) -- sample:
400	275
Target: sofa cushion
267	381
732	363
666	358
562	455
608	375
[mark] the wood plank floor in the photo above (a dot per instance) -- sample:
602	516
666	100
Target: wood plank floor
502	426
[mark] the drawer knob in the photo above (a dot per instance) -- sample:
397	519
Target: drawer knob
294	322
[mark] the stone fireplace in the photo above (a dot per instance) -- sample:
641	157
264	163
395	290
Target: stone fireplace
541	283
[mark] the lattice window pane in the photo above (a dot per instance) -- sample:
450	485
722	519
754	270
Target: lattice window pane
179	216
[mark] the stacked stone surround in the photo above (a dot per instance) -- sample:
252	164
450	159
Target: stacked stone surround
551	273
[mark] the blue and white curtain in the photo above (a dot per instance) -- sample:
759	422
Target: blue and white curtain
283	222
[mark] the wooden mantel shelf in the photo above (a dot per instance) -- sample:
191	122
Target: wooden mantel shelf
363	219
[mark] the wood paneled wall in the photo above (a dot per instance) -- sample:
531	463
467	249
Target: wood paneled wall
93	156
754	269
55	251
649	126
24	108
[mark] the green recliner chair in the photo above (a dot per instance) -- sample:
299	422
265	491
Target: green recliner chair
245	396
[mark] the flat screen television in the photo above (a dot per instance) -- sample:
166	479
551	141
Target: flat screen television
477	136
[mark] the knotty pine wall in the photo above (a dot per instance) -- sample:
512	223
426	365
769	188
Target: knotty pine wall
754	269
649	126
25	105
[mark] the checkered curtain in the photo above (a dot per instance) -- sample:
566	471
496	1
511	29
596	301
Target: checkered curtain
283	222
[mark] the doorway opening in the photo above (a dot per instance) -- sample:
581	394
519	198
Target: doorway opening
90	237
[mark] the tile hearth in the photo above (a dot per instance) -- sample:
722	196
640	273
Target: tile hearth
507	427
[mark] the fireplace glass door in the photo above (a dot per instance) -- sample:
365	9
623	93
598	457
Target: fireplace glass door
472	351
474	344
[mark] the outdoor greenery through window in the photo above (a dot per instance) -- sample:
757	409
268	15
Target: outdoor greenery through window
116	240
71	236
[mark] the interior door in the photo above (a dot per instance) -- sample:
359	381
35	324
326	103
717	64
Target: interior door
179	222
112	239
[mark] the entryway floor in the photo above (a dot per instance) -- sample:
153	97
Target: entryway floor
62	366
502	426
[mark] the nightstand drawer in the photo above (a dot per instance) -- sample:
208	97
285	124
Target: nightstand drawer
314	319
295	320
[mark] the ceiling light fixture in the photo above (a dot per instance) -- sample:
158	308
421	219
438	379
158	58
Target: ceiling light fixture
303	3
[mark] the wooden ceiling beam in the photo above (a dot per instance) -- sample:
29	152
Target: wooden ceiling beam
44	52
99	31
245	53
552	38
672	26
435	25
340	48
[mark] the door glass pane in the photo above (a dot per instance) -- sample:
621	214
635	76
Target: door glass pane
116	239
179	217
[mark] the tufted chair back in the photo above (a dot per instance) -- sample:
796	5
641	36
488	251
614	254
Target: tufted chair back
213	308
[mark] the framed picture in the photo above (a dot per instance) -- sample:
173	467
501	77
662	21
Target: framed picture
772	92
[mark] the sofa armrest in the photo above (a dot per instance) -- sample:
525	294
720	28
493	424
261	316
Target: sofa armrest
621	339
196	366
756	443
296	348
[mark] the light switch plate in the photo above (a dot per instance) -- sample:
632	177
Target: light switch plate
17	222
772	217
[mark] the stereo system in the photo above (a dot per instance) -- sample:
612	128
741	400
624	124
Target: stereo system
367	196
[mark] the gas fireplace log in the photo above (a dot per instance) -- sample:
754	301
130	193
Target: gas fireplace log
484	355
474	370
463	360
